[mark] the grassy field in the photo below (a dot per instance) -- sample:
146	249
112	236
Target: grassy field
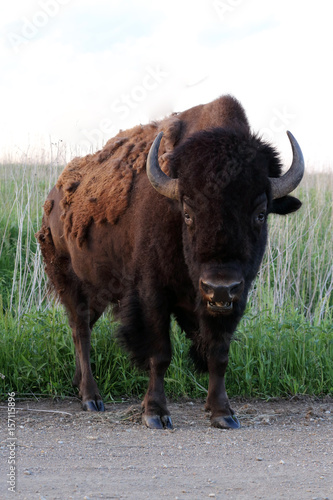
283	347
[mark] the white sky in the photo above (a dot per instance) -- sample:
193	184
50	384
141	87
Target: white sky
77	71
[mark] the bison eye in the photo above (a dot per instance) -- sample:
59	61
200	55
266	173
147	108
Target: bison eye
259	214
188	213
188	218
261	217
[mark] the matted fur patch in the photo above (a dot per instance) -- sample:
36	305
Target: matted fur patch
97	187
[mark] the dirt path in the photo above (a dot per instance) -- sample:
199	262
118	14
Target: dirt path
284	449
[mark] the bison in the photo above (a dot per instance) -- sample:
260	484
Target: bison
159	226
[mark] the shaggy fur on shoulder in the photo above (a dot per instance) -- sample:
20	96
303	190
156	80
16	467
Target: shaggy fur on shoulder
97	187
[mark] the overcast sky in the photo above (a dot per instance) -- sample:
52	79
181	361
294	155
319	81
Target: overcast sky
77	71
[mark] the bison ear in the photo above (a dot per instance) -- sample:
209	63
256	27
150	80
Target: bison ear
285	205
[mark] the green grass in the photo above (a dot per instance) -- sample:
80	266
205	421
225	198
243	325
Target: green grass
268	358
282	357
283	346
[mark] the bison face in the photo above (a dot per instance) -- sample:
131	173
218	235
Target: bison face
223	240
225	184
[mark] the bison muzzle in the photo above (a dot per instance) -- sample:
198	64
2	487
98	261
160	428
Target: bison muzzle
168	219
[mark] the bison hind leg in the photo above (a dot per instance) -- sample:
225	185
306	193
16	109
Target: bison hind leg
132	334
79	314
199	360
190	326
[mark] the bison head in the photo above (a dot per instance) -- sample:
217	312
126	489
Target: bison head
225	184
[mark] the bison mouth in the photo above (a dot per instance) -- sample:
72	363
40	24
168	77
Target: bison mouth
220	307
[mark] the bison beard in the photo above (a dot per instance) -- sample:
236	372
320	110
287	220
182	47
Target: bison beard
188	243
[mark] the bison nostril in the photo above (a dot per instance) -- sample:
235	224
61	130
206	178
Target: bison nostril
207	288
236	289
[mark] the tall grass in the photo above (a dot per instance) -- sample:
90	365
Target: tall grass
23	189
297	269
283	346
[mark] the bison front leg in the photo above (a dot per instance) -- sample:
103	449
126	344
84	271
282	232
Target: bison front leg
222	415
145	334
156	414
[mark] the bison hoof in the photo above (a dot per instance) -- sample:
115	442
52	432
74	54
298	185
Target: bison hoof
157	422
92	405
230	422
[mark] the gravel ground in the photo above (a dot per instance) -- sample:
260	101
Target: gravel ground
284	449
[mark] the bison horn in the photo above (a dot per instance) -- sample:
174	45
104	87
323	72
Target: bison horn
281	186
163	184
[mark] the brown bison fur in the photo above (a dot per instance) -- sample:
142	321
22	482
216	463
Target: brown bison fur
97	187
108	236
